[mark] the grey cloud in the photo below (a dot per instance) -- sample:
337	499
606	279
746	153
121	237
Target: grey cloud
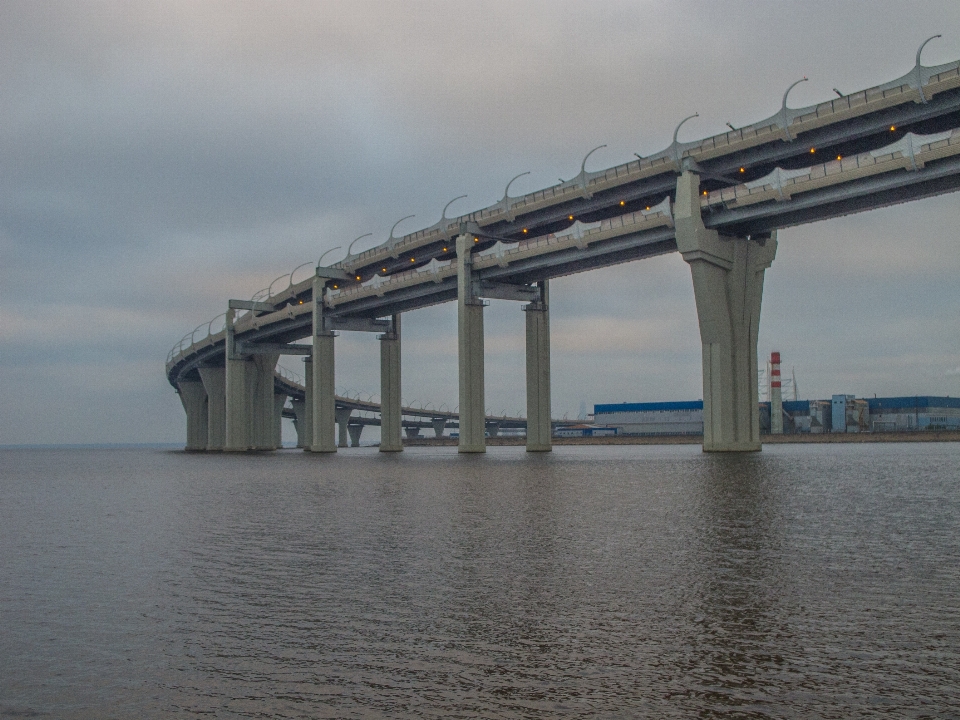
157	158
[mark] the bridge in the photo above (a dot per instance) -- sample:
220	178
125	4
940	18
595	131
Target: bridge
353	415
718	201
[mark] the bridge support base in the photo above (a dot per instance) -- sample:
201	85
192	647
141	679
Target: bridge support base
355	431
194	400
279	400
323	407
305	424
299	420
470	352
538	373
249	400
215	384
343	420
439	425
390	408
728	286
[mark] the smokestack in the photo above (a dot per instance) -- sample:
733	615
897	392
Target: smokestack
776	398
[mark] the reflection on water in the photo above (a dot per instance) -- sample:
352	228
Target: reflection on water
594	582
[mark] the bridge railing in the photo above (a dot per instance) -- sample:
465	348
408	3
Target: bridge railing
291	376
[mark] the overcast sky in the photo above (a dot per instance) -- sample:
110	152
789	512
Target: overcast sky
158	158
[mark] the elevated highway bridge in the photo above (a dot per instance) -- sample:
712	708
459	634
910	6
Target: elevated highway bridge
718	201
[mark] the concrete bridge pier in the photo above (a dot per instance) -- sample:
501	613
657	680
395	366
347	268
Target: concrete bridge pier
305	426
299	420
411	432
279	400
439	425
390	407
493	428
728	286
265	417
194	400
215	384
538	372
323	390
343	420
470	351
250	405
237	384
355	431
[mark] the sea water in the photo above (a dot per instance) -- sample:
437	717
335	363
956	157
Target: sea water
604	582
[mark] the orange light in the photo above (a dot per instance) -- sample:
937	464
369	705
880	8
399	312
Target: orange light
622	202
444	249
383	269
812	150
524	231
743	169
570	217
839	157
893	128
413	259
336	287
358	277
704	192
476	239
301	302
648	207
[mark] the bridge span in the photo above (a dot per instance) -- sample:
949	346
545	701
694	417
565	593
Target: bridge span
718	201
353	415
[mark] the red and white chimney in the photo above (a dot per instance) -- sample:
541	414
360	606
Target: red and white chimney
776	397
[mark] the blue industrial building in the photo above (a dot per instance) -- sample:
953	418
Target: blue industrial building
840	414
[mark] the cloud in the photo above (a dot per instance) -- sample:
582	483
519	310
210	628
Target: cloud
158	158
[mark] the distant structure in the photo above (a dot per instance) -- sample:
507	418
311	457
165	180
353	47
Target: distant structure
776	399
840	414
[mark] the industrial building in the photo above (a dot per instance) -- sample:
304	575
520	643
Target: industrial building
840	414
663	418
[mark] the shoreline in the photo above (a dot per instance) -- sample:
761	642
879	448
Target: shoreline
891	437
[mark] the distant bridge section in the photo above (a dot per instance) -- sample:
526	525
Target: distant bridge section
718	201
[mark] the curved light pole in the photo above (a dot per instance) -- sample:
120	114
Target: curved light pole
443	215
923	97
295	270
675	146
319	265
392	241
270	287
785	118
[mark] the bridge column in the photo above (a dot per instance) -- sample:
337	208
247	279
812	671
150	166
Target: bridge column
439	425
323	391
299	420
279	400
263	406
728	286
239	396
305	429
355	431
194	399
343	420
390	409
470	352
538	372
411	431
493	428
215	384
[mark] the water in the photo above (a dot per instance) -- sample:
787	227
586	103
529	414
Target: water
807	581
